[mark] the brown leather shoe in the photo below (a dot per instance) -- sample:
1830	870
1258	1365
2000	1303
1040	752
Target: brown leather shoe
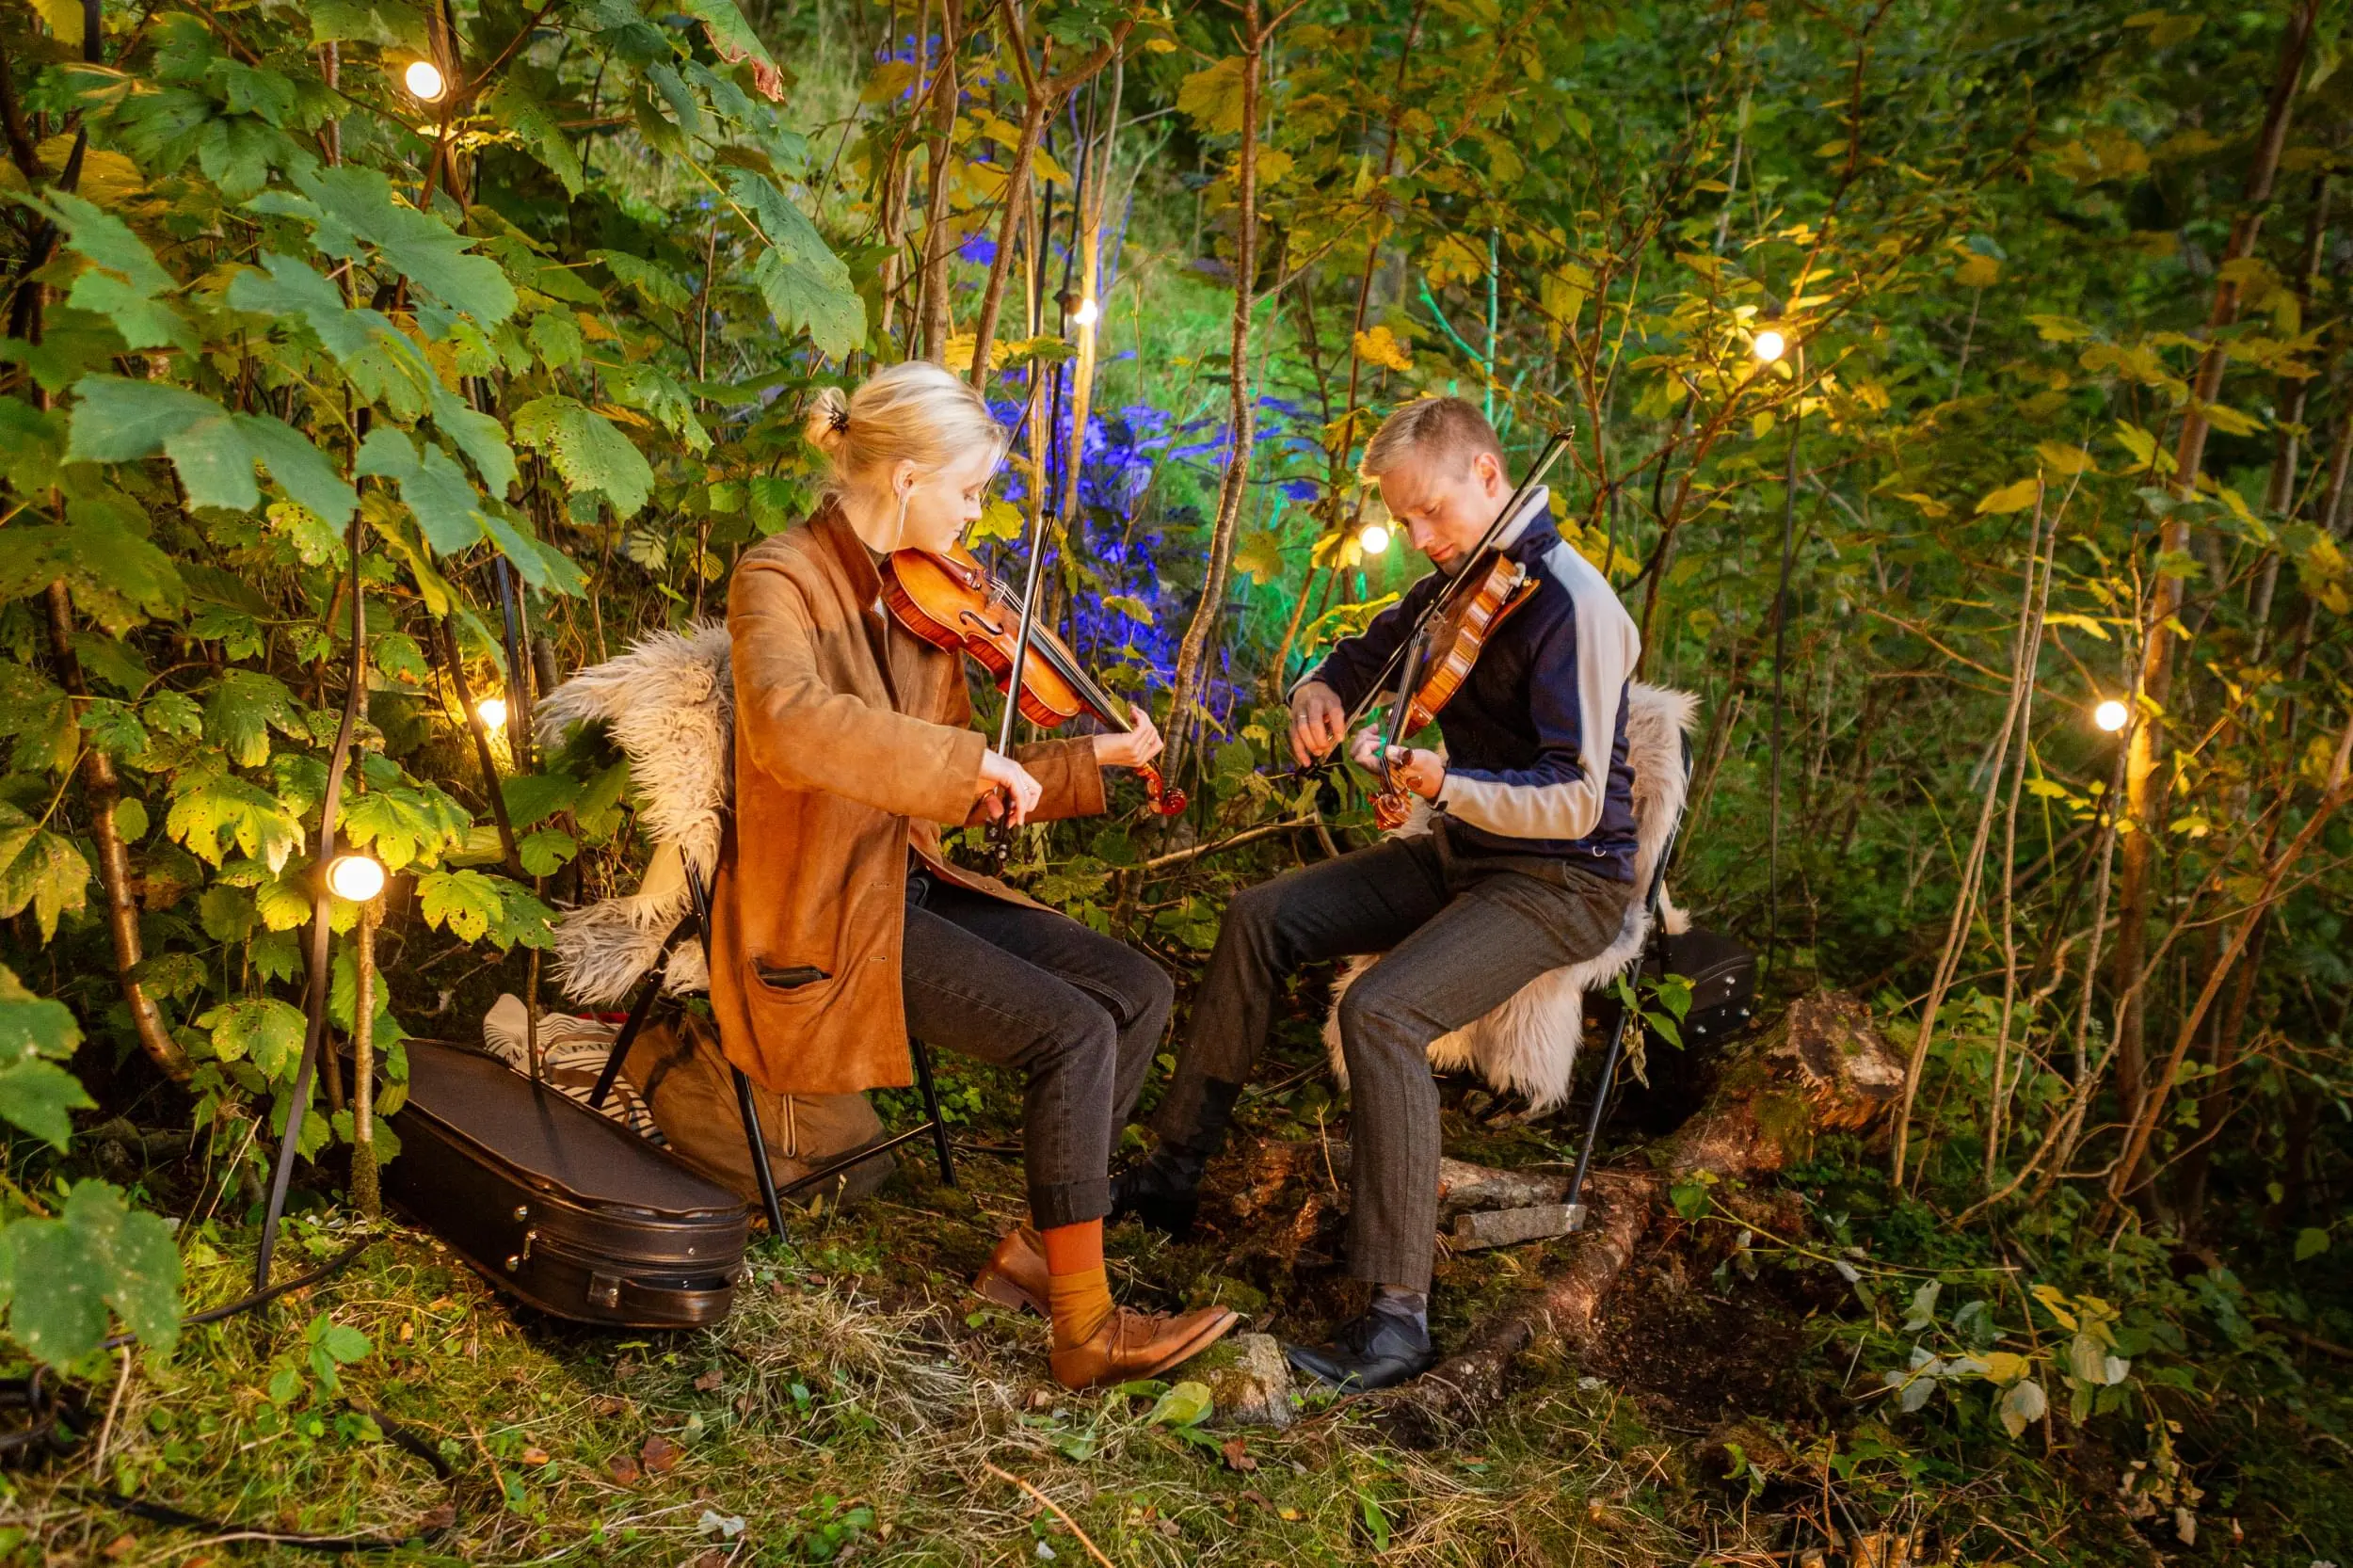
1140	1344
1014	1275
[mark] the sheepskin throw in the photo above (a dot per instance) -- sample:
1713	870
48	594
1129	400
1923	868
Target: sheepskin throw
1528	1045
669	704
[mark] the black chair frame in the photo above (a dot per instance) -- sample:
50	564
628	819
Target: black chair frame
772	1197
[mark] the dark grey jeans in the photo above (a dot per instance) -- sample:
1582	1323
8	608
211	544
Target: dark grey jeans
1460	934
1077	1013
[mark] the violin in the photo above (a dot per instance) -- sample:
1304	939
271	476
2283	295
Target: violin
1442	660
1437	654
949	599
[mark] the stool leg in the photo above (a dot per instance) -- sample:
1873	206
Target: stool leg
636	1020
931	1109
758	1143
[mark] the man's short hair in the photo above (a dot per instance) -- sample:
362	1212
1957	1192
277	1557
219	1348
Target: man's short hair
1431	427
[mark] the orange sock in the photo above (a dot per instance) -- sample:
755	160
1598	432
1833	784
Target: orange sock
1077	1295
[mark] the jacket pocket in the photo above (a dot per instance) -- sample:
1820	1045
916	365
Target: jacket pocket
787	978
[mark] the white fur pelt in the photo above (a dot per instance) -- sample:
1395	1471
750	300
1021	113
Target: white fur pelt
669	704
1528	1045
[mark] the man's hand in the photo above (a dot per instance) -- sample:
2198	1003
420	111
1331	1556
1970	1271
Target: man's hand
1133	749
1319	722
1006	784
1421	772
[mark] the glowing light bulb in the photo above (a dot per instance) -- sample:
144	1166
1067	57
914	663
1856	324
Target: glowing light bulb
1373	539
1087	313
425	81
492	710
2111	715
1769	345
356	877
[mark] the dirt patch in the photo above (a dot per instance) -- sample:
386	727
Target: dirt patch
1701	1352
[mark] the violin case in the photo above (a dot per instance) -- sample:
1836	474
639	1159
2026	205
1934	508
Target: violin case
562	1208
1722	974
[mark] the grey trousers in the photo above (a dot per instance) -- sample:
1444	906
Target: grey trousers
1460	933
1077	1013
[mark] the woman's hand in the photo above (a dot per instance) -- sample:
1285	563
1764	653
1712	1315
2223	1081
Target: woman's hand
1133	749
1421	772
1005	783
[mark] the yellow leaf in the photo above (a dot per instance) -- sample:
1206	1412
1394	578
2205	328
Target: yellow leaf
2053	1301
2007	1365
1380	347
2056	328
64	18
2012	498
1455	260
1000	519
1977	272
1928	504
2228	420
1211	97
959	355
2065	460
1272	164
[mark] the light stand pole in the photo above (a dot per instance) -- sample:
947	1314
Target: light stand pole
1769	347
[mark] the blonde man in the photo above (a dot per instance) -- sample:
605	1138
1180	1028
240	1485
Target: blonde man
1528	866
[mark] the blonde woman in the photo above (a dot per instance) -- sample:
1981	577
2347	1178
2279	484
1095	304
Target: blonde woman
839	928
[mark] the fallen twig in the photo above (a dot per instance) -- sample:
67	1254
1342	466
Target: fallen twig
1010	1478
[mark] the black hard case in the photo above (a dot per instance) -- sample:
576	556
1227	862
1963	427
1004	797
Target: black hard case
558	1206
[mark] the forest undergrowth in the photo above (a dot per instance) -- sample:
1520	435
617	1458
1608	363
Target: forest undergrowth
1957	396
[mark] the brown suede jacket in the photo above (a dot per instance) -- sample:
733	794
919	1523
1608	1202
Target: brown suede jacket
853	744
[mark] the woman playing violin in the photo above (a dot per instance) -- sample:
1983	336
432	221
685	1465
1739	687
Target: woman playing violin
839	928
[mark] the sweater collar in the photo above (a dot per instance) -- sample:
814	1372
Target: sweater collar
1531	531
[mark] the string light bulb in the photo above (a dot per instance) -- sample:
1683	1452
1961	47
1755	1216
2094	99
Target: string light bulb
2111	715
1373	539
492	710
425	81
1087	313
1769	346
356	877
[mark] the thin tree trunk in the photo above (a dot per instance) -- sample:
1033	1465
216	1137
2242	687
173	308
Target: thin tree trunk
2128	1179
1096	164
364	1190
1191	652
2024	646
937	321
2144	784
101	790
2294	393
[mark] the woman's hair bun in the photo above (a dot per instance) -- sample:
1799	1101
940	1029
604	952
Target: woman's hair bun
828	427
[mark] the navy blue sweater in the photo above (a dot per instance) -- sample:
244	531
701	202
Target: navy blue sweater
1536	738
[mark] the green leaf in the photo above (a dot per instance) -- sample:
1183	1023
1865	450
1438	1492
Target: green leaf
120	420
212	811
588	449
464	902
532	798
654	285
802	300
40	869
436	489
35	1036
245	707
539	129
543	853
1184	1405
2311	1243
543	566
354	207
2022	1406
733	40
97	1254
123	282
117	419
261	1030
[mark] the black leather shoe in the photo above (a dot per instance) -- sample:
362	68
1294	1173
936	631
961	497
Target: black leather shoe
1155	1198
1379	1350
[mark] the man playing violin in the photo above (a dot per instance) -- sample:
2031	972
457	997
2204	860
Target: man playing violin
1529	865
838	926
